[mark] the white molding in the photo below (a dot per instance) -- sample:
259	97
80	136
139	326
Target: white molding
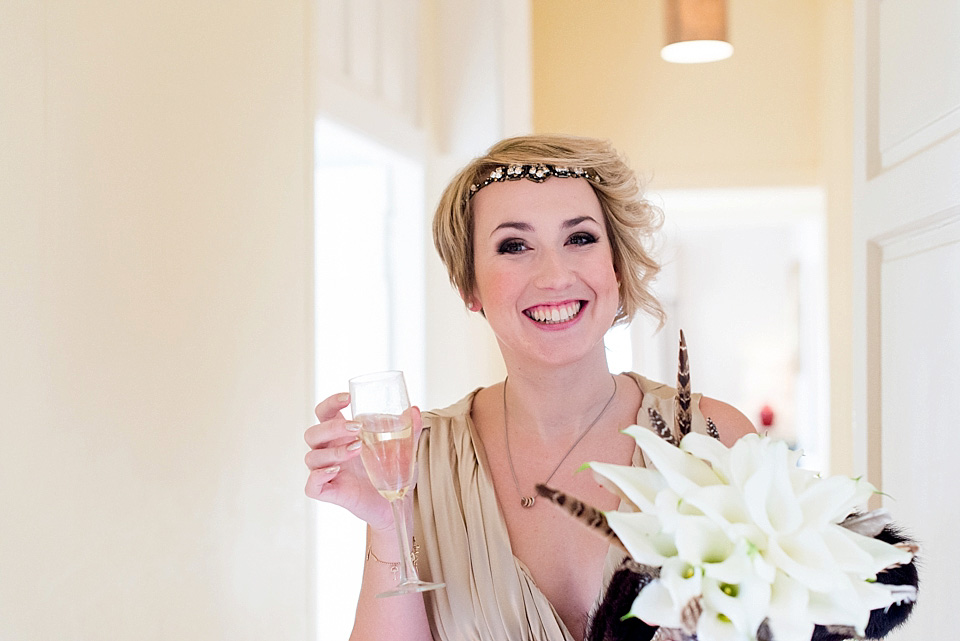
924	136
920	236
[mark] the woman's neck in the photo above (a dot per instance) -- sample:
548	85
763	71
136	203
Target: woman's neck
552	401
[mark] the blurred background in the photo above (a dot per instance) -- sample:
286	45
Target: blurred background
212	214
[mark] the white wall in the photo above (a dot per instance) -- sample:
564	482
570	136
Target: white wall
155	322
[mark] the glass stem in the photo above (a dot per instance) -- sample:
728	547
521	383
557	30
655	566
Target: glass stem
407	571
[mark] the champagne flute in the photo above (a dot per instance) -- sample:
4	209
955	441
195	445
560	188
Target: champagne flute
379	403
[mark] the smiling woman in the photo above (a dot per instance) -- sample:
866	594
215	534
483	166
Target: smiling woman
547	237
630	221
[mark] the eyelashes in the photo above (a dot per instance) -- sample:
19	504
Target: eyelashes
517	245
582	238
511	246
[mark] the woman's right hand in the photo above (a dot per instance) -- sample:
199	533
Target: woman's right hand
336	472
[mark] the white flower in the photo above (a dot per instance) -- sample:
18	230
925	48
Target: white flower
747	536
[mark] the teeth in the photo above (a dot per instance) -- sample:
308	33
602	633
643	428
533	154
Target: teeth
555	314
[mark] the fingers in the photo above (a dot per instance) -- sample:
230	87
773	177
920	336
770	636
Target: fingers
332	423
330	407
330	433
317	480
333	442
326	459
331	455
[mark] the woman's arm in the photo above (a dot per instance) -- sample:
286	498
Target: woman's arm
731	422
403	618
337	476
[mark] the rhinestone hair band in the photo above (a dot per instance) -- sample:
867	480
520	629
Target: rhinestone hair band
537	173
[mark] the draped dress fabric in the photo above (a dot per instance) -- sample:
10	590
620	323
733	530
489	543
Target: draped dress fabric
489	594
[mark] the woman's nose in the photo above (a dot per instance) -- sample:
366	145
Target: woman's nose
553	272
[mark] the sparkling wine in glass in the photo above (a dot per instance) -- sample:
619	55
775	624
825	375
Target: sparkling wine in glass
379	403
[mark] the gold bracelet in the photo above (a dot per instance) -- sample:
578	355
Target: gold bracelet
395	566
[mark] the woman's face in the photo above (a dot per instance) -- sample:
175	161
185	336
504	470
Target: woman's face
544	268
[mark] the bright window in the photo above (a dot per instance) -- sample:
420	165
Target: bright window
369	316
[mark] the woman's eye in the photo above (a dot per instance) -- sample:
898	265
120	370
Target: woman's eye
582	238
512	246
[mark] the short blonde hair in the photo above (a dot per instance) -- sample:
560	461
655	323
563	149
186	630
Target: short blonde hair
631	221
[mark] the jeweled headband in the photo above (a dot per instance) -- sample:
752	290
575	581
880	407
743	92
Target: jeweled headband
537	173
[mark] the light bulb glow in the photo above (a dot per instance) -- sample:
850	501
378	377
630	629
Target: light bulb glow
693	51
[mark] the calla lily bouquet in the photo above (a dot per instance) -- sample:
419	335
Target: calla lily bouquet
742	544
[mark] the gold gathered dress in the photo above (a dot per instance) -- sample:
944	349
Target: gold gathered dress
489	593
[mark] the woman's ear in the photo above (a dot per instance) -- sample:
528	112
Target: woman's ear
472	303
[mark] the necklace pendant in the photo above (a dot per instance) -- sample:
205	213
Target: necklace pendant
527	501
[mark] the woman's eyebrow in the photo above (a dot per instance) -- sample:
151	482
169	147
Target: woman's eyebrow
573	222
513	225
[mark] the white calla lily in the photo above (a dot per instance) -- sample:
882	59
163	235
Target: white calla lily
789	616
641	535
737	567
769	496
682	471
636	485
716	626
710	450
805	557
722	503
699	541
882	555
745	604
832	499
684	581
843	605
655	606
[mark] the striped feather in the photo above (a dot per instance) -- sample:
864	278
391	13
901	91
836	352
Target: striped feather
712	429
586	514
660	427
682	415
868	524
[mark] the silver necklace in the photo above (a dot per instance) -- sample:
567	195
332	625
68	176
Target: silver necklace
528	501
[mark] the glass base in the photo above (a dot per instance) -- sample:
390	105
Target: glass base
410	587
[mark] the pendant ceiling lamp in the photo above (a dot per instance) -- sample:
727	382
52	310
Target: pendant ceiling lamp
696	31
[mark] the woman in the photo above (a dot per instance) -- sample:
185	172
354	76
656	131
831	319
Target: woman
544	236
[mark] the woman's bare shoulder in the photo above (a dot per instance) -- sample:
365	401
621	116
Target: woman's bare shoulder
731	423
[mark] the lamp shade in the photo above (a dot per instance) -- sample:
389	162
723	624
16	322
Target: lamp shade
696	31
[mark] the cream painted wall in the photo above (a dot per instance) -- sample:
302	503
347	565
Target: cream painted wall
155	319
778	113
749	120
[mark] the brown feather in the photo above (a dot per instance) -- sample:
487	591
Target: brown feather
682	415
660	427
712	429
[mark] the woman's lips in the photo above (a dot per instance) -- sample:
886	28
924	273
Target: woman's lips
554	314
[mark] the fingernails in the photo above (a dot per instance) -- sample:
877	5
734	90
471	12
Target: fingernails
352	426
331	470
343	398
354	446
